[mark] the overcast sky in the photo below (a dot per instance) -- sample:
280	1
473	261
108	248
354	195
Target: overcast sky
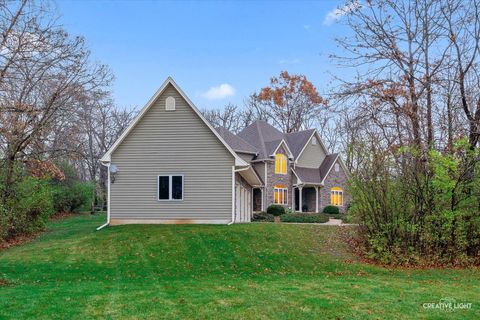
218	52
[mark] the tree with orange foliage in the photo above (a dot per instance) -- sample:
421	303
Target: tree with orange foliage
291	102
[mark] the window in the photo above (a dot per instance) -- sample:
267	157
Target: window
314	141
170	104
170	187
336	197
280	163
280	194
337	167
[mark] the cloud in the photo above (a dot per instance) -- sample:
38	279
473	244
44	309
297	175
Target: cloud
220	92
289	61
307	27
337	13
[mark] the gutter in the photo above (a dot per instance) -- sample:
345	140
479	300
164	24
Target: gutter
108	196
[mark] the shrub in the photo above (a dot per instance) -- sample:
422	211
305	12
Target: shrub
262	217
276	210
336	215
305	217
331	210
73	197
418	217
28	211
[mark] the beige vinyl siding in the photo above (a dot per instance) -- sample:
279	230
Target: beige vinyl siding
312	156
168	143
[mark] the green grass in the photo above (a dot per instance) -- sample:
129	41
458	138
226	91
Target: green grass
249	271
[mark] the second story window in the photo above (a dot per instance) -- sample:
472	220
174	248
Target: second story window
280	163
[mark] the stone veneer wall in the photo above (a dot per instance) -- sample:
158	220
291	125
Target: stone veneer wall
274	179
335	179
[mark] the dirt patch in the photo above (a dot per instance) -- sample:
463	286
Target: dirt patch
4	283
61	215
356	247
27	238
19	240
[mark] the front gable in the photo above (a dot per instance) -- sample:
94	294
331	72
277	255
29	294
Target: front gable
171	108
160	131
312	154
335	179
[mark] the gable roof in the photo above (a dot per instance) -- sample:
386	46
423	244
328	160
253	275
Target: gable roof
235	142
297	140
263	136
308	175
266	138
318	175
107	156
327	165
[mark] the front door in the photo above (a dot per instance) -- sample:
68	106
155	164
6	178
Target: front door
297	199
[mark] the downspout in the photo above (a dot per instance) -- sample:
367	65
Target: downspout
233	196
233	191
264	195
108	197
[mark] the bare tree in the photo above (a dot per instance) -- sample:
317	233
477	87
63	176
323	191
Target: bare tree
463	30
44	71
231	117
291	102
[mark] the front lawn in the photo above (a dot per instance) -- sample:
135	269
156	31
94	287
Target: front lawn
245	271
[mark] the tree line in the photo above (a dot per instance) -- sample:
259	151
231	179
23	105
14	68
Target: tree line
408	124
56	116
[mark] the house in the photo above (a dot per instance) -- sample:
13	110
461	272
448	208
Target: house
171	166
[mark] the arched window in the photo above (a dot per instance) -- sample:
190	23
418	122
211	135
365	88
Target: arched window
336	196
280	194
280	163
170	104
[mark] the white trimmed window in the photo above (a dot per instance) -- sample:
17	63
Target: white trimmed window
336	197
280	194
337	167
280	163
170	187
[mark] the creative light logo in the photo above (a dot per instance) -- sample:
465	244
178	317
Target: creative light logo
447	305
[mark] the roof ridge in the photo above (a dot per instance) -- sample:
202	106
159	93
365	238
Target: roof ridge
260	135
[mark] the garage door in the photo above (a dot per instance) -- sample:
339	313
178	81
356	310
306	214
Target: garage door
243	204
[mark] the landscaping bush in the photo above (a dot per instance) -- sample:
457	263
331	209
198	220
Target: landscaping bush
331	210
262	217
417	217
276	210
28	211
305	217
336	215
75	196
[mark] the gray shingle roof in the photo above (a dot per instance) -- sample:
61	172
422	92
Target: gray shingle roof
261	135
264	138
308	175
327	164
235	142
316	175
297	140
